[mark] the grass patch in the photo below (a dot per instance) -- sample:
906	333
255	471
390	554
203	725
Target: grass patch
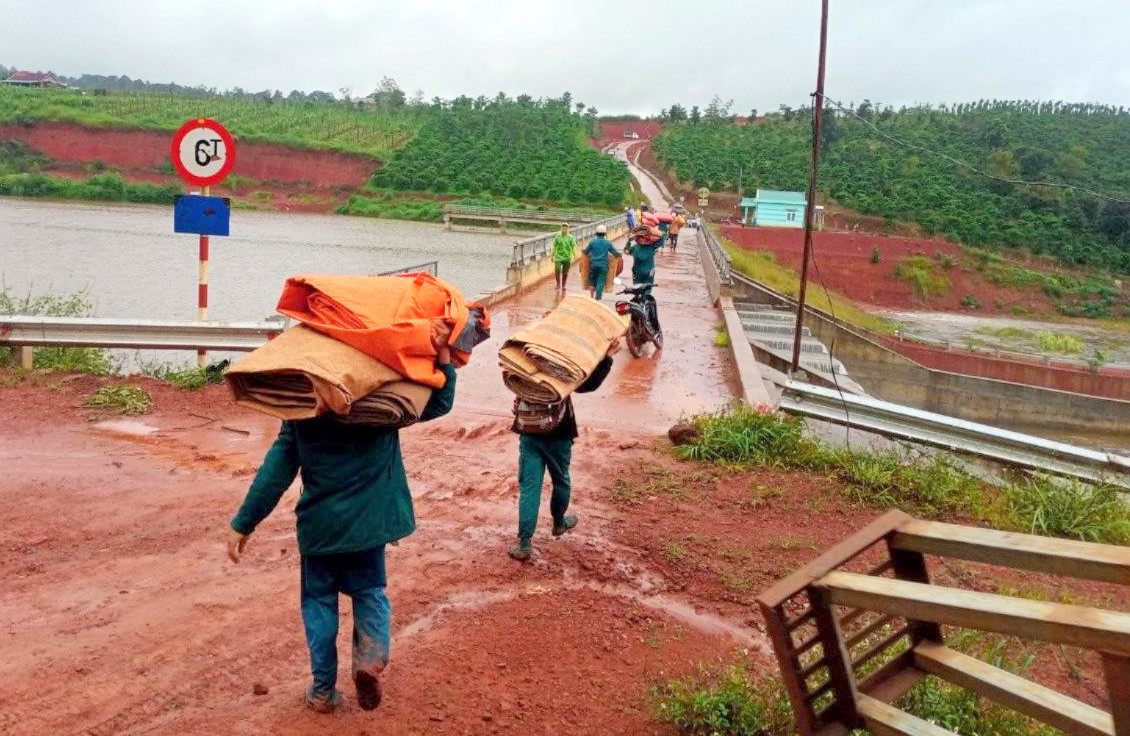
1064	343
189	378
128	400
727	701
106	186
761	267
928	486
68	360
419	210
1008	333
721	335
924	276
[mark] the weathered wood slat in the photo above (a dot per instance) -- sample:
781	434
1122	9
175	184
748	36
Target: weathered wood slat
839	554
1104	631
1103	562
1023	696
886	720
1117	670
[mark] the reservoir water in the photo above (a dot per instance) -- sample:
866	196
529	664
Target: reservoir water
133	265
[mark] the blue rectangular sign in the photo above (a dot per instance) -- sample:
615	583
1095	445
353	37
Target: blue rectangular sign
193	213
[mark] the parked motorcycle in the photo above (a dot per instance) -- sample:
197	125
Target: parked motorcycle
644	314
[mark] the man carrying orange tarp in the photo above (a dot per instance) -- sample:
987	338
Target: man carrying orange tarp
391	320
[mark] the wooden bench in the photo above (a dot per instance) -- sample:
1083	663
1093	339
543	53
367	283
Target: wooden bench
850	643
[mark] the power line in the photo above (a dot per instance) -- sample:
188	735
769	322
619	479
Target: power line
970	167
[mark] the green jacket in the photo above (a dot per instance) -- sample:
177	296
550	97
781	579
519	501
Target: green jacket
354	490
564	248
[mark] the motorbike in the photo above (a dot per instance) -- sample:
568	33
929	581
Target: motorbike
644	314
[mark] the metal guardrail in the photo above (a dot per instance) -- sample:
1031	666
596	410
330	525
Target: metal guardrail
521	212
539	246
939	430
91	332
431	267
718	254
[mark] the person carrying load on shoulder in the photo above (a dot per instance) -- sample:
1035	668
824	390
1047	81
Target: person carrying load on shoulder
642	248
598	251
673	230
564	251
546	435
354	501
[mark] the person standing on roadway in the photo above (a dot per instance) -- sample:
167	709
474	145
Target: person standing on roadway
675	227
354	501
564	251
598	250
630	216
549	445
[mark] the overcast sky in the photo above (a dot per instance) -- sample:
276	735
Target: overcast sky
619	56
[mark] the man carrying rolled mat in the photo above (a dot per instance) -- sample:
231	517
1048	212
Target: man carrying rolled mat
564	251
550	448
354	501
598	250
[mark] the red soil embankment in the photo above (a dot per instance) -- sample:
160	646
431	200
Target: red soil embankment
132	150
613	131
844	264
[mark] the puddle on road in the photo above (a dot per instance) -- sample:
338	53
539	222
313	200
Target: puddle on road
130	427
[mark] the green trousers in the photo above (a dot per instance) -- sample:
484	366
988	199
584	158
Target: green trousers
598	276
535	455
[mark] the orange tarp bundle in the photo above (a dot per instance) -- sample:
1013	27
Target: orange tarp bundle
389	318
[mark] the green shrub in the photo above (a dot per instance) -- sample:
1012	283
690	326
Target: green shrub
725	702
721	336
129	400
1060	342
970	302
1056	507
923	277
875	256
745	435
189	378
68	360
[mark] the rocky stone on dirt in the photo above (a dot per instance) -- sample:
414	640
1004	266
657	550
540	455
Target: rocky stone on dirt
683	434
260	689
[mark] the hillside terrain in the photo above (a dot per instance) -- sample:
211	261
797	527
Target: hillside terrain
113	145
864	170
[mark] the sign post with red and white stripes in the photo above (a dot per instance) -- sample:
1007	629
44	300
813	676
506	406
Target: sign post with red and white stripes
203	154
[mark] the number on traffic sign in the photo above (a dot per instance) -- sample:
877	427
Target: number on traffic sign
203	152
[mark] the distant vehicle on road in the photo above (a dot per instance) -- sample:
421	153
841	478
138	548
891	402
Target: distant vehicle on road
631	134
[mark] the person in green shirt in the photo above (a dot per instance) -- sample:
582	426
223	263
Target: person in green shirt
643	260
598	251
564	251
354	501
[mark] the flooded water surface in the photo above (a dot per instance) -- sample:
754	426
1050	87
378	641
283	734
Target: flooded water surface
133	265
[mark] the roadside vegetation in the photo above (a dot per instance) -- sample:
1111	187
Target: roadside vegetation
521	148
68	360
762	267
926	485
127	400
1051	141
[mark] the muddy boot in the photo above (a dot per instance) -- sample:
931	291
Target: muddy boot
566	524
368	689
322	703
521	551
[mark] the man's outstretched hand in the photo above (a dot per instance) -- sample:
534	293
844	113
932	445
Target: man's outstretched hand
236	543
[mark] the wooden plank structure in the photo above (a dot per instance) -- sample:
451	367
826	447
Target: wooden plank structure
850	643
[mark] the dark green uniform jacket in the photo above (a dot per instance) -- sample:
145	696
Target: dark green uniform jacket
354	491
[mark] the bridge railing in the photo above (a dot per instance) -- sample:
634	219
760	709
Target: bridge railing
539	246
431	267
718	254
455	210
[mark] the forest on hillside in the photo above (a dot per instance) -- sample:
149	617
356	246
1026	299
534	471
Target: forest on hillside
1081	145
521	148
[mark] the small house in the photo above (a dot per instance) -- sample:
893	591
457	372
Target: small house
34	79
771	208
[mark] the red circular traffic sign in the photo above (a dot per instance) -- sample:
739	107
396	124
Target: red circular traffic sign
203	152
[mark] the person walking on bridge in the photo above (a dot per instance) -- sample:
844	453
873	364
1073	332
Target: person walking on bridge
564	252
643	260
598	251
354	501
673	230
546	433
630	216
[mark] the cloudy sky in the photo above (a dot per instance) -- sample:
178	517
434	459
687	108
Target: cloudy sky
621	56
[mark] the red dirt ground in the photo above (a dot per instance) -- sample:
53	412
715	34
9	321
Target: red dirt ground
844	263
613	131
298	179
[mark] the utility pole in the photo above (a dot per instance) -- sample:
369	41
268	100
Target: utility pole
810	203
